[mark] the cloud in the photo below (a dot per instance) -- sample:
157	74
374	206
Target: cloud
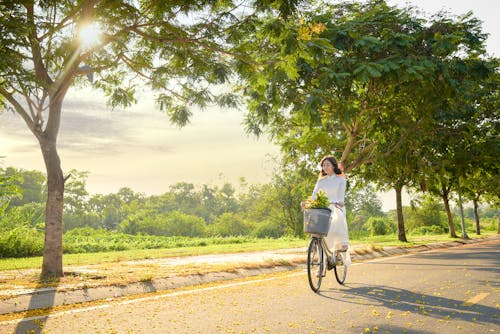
140	149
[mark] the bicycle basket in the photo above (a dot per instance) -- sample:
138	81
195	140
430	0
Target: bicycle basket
317	221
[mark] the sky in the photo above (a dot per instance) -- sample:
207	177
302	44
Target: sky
139	149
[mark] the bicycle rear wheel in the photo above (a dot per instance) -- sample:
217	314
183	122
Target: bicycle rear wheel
340	269
315	264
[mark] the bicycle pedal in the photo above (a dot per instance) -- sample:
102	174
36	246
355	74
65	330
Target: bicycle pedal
330	265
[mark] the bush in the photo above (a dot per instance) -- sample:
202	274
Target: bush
268	229
488	224
424	230
230	224
378	226
21	242
173	223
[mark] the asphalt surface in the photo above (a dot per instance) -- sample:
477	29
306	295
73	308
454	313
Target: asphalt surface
21	299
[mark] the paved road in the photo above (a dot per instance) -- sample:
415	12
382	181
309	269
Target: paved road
444	291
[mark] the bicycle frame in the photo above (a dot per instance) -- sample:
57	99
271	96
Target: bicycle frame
326	249
318	266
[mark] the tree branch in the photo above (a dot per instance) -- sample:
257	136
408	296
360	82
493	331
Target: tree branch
40	69
20	110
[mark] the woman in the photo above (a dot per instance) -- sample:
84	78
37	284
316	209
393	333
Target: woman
333	183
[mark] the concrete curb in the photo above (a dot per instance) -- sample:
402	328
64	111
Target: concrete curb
32	299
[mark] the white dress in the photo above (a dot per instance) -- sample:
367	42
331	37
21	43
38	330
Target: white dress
334	186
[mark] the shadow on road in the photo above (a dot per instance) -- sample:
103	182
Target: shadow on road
403	300
33	323
431	305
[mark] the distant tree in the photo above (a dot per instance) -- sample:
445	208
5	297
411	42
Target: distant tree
481	181
178	48
76	194
462	137
9	188
32	183
230	224
226	198
475	186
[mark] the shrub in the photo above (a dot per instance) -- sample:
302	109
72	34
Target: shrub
378	226
268	229
433	229
21	242
230	224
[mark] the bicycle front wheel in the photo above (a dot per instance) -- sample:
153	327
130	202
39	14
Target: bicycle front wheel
340	269
315	264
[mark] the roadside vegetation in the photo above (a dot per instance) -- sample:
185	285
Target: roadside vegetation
186	220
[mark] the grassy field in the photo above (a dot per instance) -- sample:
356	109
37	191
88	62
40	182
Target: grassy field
255	245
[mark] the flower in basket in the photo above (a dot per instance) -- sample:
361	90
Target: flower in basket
321	201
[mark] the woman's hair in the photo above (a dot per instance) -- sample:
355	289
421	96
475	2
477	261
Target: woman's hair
336	168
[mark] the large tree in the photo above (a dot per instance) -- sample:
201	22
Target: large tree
360	80
179	48
341	77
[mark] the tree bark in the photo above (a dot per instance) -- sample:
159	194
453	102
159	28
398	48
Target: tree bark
464	228
476	217
399	210
52	253
448	214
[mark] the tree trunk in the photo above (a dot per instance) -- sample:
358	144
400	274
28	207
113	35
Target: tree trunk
448	214
464	229
52	252
399	210
476	217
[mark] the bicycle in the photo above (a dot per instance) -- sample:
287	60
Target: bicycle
317	224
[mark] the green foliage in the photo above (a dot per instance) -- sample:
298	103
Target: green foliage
88	240
21	242
175	223
425	230
130	220
32	183
9	188
268	229
378	226
489	224
230	224
430	212
409	99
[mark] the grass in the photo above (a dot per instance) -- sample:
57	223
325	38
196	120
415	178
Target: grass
139	254
118	268
375	242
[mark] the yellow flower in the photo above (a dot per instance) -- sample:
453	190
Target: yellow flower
305	33
318	28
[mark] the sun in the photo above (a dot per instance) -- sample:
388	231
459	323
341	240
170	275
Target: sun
90	35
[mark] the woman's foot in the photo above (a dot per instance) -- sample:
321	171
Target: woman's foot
343	248
319	273
338	260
